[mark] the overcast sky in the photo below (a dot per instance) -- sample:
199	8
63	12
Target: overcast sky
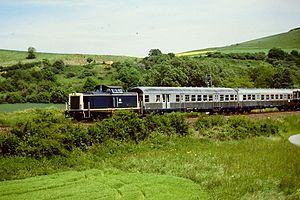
133	27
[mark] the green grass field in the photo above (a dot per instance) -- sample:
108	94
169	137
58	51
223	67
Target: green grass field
26	106
99	184
287	41
10	57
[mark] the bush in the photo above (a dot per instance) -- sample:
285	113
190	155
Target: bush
45	135
169	123
122	126
235	128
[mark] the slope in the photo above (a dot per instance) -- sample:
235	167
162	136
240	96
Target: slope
287	41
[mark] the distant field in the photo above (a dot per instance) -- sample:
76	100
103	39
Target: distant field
10	57
97	184
25	106
287	41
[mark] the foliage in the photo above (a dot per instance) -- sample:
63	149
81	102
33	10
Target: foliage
235	128
89	60
31	53
89	84
45	135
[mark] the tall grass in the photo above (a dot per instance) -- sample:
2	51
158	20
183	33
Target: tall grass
255	167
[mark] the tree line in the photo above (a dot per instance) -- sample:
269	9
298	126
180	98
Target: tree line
41	81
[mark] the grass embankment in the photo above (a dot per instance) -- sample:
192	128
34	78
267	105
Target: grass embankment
257	167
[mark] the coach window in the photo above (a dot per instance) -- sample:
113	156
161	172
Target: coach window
210	97
157	98
272	96
177	98
253	96
267	97
289	96
146	98
193	97
249	97
187	97
276	96
262	97
199	97
222	97
231	97
226	97
244	97
281	96
204	97
235	97
257	96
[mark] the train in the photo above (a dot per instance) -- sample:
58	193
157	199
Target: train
106	99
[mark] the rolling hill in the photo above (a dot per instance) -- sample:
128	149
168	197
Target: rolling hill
287	41
11	57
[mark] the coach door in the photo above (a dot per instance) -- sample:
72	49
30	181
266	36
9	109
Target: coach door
165	101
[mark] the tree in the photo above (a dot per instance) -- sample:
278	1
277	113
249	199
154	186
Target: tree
31	53
89	84
277	53
89	60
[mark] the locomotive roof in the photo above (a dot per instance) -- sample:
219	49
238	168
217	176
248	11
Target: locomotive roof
181	89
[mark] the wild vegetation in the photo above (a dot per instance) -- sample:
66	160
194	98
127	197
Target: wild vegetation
45	81
225	158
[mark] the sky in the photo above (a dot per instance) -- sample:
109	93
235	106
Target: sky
133	27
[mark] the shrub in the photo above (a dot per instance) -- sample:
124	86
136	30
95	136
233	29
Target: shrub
235	128
122	126
169	123
45	135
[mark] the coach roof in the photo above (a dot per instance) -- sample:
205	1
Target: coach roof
179	90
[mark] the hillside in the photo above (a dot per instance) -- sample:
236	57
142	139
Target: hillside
287	41
11	57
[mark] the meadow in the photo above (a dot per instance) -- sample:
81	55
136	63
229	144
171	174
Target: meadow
165	167
287	41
